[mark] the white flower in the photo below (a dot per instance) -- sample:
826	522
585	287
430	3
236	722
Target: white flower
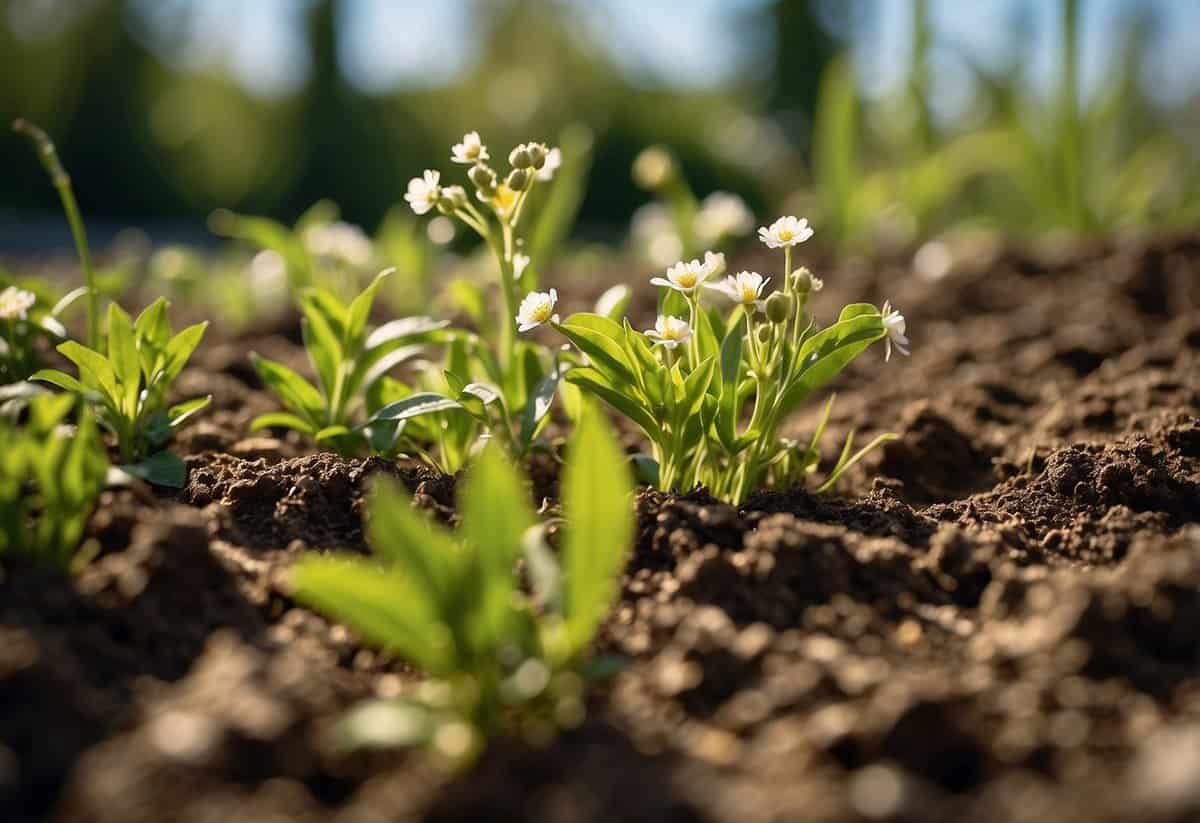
715	261
686	277
817	283
670	331
786	231
894	325
553	161
745	288
520	262
470	151
339	241
536	309
722	215
15	303
424	192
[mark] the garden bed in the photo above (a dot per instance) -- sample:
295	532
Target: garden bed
993	618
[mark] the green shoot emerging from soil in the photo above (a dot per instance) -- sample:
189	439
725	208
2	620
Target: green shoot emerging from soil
687	382
50	477
349	361
127	387
502	658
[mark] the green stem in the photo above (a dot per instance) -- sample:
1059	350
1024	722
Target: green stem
62	182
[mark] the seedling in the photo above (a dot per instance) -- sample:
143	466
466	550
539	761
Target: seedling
687	382
348	361
27	315
127	387
499	659
50	477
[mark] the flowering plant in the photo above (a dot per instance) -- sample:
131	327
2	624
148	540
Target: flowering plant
495	384
687	383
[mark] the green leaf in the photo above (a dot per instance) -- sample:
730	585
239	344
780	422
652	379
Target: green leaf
823	356
360	312
60	379
384	606
94	369
324	351
696	386
537	406
542	569
180	349
605	352
282	420
295	392
162	469
414	406
123	356
613	302
180	413
597	494
731	367
330	433
593	381
407	329
495	515
845	460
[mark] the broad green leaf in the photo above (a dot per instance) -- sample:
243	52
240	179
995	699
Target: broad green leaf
495	515
826	353
333	311
123	356
696	386
613	302
331	433
162	469
384	606
360	311
604	351
295	392
537	407
591	380
324	351
179	414
407	329
414	406
94	369
597	499
60	379
283	420
180	349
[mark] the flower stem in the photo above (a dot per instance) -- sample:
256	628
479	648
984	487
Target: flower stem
62	182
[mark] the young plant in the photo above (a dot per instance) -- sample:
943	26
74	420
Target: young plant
25	318
498	659
688	381
50	477
127	387
490	384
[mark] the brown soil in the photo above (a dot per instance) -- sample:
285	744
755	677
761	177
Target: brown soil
995	619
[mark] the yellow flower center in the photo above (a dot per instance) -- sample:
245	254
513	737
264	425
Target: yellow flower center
785	235
541	312
505	198
687	279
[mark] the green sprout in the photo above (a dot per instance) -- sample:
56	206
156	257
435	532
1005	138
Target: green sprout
62	182
127	387
50	477
501	658
349	360
687	382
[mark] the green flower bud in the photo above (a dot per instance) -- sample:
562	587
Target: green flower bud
764	334
453	197
519	179
484	178
779	307
802	280
520	158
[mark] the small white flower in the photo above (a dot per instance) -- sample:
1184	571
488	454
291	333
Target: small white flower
670	331
470	151
520	262
424	192
894	325
745	288
339	241
817	283
715	261
686	277
553	161
15	303
786	231
722	215
536	309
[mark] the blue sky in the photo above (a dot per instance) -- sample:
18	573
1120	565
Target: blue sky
390	43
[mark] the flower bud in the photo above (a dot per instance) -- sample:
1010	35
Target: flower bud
520	158
484	179
653	168
537	154
779	307
764	334
519	179
802	280
452	198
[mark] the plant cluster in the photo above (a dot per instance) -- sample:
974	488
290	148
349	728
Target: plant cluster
504	653
126	385
50	476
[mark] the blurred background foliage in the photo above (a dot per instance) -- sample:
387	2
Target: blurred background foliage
164	110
